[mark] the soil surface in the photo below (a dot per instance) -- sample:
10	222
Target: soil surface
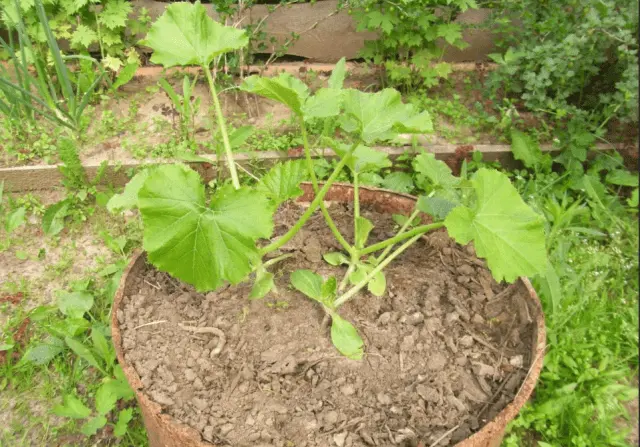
446	349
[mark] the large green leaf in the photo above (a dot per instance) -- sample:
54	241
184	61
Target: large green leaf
128	199
345	337
282	182
363	158
398	181
326	102
505	231
438	207
285	89
381	115
201	245
436	171
336	80
186	35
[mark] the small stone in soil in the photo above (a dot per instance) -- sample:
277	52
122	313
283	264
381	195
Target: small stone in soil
383	399
466	341
347	390
517	361
384	318
437	362
339	438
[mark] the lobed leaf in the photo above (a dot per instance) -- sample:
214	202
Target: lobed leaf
185	35
505	231
436	171
437	207
336	80
282	182
92	426
71	407
285	89
381	115
326	102
201	245
128	199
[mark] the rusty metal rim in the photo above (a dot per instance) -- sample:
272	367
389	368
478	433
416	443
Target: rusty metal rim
486	436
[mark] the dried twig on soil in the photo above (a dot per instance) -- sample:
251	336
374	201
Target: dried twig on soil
150	324
447	433
496	394
222	339
155	286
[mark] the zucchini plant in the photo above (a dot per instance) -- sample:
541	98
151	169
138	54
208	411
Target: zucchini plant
208	241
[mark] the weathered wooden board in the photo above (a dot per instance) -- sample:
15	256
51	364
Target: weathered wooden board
327	35
29	178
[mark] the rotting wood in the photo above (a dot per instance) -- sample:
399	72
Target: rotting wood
38	177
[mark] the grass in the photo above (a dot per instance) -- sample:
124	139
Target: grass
592	357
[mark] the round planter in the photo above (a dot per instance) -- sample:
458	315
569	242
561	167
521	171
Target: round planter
165	431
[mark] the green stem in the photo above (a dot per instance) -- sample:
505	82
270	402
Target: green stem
277	259
355	289
345	279
403	228
312	208
314	181
401	237
223	130
356	207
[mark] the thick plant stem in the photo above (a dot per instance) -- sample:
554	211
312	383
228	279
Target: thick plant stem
401	237
355	289
312	207
403	228
231	164
356	206
314	181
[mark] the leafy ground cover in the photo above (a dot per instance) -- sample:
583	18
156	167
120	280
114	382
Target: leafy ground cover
582	399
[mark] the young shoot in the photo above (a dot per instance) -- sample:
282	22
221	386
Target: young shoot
209	241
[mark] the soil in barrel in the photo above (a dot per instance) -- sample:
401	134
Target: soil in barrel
447	348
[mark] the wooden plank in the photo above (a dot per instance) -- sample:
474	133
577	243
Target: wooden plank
31	178
327	34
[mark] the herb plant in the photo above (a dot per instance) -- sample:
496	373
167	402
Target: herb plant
210	241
